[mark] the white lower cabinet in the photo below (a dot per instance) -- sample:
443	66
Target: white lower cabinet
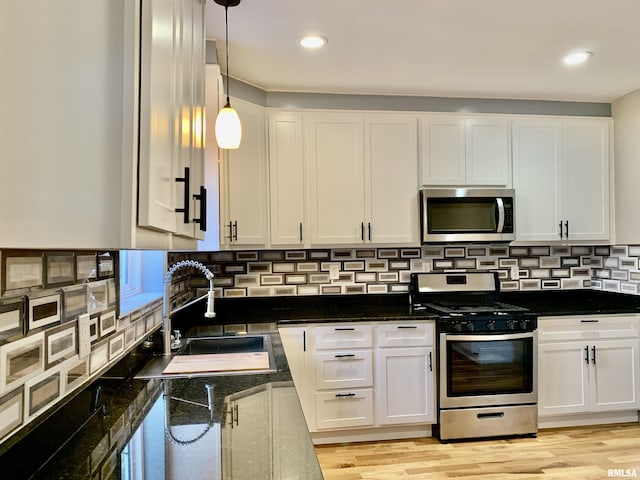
359	380
588	365
406	386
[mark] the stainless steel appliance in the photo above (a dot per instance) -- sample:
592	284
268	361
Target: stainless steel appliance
487	356
467	214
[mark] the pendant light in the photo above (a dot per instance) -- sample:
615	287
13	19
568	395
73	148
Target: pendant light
228	128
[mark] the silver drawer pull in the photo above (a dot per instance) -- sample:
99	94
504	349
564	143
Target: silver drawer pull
490	415
345	355
342	395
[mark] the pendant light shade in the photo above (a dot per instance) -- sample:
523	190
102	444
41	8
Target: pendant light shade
228	127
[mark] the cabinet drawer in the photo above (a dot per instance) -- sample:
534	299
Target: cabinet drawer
342	336
345	408
405	334
344	369
587	327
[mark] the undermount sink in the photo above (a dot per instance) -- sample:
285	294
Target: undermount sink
215	355
228	344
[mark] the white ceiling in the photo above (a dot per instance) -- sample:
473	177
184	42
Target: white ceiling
455	48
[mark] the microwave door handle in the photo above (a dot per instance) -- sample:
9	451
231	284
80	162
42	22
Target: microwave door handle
500	204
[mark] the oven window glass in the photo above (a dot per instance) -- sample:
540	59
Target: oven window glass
489	367
471	215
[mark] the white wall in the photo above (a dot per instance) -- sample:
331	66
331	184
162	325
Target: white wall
626	115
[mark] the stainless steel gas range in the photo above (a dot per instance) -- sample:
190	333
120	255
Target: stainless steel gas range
487	356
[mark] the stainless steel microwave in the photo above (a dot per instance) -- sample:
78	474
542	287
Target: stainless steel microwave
467	215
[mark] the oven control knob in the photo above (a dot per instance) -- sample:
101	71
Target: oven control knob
524	324
491	325
511	324
470	326
458	327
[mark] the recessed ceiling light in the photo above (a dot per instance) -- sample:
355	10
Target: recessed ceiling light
312	41
576	58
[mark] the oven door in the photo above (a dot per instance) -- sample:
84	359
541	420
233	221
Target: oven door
484	370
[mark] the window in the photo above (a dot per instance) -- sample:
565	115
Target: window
141	278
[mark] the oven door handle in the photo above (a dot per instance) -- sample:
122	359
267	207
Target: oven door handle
487	338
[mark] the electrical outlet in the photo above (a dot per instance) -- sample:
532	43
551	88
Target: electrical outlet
334	271
515	273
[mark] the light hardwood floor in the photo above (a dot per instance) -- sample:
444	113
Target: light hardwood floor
581	453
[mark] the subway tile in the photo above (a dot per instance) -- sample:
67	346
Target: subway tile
354	289
454	252
308	290
366	253
540	251
296	255
282	267
271	256
295	279
354	265
319	255
246	256
410	253
380	265
308	267
388	253
377	288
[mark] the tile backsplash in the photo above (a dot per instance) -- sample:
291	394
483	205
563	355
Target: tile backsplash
616	269
60	328
388	270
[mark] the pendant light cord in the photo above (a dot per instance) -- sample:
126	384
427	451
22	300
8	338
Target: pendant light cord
226	23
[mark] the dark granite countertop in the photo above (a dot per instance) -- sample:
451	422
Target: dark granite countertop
209	427
574	302
351	308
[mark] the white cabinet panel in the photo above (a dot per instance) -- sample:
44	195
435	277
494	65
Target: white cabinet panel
586	153
345	408
394	334
344	369
286	179
561	179
443	150
460	151
487	152
405	386
616	365
391	174
562	378
342	336
244	173
335	178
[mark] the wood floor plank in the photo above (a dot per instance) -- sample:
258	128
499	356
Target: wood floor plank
585	453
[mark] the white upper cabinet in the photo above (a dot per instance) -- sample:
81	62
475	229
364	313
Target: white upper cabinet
561	179
171	109
89	125
391	188
335	178
286	179
361	178
459	151
243	179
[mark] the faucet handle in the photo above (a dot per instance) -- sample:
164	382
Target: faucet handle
177	335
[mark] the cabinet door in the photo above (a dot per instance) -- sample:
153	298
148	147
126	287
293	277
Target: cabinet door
442	150
537	150
586	179
248	435
286	179
562	378
405	385
245	178
335	178
158	116
391	173
614	383
488	153
294	342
